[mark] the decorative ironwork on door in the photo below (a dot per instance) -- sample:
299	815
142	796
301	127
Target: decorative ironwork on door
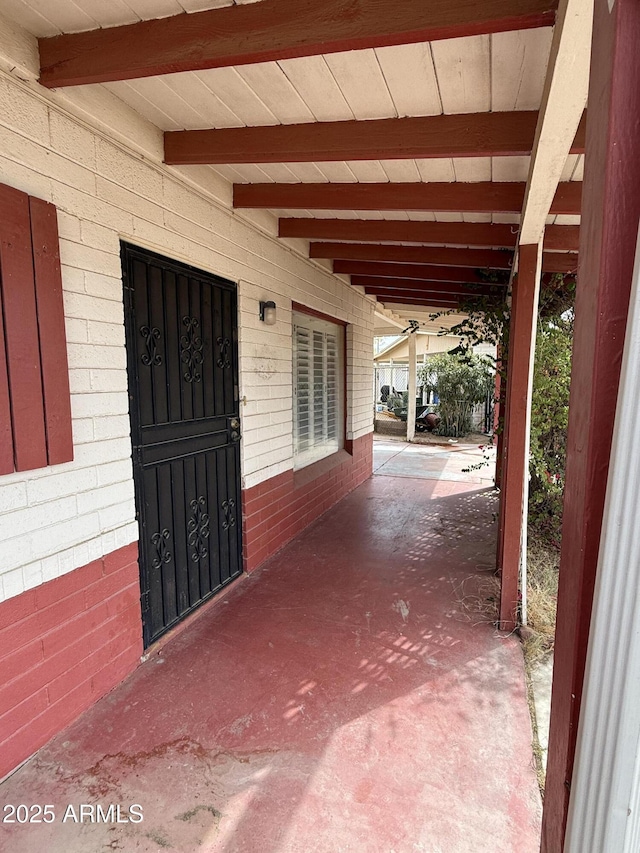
229	518
223	345
198	528
151	356
191	347
183	380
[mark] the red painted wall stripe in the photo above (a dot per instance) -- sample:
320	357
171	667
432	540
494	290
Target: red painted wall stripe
53	344
21	331
277	510
63	645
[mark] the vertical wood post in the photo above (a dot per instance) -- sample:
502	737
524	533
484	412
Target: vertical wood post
610	213
411	411
498	415
524	311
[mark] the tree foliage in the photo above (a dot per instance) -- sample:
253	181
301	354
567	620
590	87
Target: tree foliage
461	382
487	320
549	419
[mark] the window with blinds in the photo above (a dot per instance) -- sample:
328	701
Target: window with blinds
318	367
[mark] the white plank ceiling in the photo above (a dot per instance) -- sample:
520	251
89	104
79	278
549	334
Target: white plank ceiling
499	72
52	17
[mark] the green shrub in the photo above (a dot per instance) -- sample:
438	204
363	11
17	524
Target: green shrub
549	419
461	382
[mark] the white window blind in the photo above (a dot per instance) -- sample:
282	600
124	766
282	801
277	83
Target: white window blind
318	353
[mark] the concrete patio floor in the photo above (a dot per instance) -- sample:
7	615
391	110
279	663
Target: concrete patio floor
443	461
341	698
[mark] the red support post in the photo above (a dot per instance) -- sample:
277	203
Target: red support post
524	311
608	232
498	415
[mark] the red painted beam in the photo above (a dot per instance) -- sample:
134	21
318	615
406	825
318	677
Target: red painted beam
429	302
461	135
607	247
565	262
418	285
481	197
408	271
563	238
348	254
272	30
514	468
432	290
471	258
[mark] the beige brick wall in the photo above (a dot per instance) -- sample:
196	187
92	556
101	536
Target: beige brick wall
56	519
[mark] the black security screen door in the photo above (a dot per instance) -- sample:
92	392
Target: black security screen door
183	389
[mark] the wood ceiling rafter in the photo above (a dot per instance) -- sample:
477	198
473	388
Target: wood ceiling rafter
409	271
563	262
561	111
272	30
460	135
562	238
415	288
480	197
435	301
414	298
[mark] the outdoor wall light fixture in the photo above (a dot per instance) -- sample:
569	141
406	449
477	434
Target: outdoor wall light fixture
268	313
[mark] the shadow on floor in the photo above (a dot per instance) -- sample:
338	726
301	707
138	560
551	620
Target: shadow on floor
342	698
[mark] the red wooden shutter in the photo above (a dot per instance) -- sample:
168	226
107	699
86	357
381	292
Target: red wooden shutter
53	342
21	331
6	430
35	414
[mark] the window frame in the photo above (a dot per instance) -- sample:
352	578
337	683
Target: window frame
309	458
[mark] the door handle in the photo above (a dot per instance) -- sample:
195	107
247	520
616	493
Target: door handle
234	426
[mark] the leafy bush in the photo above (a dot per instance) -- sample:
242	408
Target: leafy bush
461	382
487	320
549	419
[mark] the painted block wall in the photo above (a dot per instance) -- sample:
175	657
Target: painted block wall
100	164
276	510
64	645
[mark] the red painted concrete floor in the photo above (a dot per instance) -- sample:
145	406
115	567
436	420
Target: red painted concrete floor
343	698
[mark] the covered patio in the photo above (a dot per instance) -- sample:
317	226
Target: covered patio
296	177
344	697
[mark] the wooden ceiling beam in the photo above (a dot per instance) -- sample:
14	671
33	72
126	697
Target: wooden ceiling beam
408	271
481	197
271	30
565	262
563	238
561	114
425	301
447	257
345	255
465	135
391	285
